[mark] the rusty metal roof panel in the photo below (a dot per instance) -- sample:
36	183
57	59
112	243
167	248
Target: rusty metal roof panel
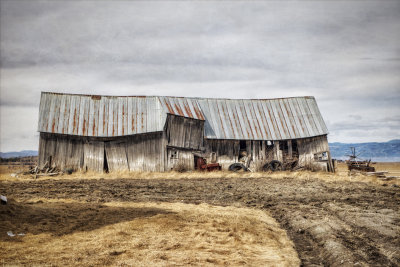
262	119
102	116
239	119
179	106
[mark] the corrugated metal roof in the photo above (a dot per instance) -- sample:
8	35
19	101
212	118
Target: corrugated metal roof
102	116
240	119
180	106
262	119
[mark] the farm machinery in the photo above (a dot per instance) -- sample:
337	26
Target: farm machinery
359	165
201	164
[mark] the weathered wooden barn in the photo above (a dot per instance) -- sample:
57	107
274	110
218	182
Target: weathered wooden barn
155	133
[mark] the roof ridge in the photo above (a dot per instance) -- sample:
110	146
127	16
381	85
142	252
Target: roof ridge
184	97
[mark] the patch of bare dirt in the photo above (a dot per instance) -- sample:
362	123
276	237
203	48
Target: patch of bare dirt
331	223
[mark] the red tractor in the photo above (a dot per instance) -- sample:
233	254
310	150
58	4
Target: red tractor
201	165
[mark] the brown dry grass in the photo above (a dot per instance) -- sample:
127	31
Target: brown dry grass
341	174
181	234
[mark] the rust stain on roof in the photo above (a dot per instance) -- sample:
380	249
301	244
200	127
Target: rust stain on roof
142	122
178	109
187	108
84	126
169	107
94	126
74	125
232	118
53	126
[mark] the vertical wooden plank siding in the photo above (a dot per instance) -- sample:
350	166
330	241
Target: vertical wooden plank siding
144	152
309	146
116	155
184	132
93	159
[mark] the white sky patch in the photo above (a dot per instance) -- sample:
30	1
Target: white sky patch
344	53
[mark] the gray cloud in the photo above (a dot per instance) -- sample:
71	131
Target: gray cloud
344	53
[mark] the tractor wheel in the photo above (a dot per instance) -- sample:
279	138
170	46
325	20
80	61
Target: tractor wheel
235	167
275	165
266	167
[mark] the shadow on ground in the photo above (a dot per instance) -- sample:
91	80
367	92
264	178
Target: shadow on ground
60	218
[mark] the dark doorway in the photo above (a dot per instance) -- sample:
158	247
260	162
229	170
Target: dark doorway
242	145
105	163
196	163
242	150
295	149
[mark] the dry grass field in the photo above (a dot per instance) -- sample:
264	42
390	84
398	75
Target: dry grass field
72	233
342	174
220	218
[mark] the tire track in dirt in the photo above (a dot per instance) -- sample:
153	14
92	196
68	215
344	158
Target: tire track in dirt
337	223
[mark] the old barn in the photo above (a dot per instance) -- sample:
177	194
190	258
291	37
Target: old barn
156	133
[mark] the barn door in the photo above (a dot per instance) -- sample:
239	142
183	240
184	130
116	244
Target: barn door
93	156
116	156
173	157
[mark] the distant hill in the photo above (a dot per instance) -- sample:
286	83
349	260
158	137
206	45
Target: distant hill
386	151
23	153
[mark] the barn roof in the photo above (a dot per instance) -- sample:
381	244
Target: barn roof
240	119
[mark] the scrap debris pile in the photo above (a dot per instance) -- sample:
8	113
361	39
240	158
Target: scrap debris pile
355	165
359	165
45	171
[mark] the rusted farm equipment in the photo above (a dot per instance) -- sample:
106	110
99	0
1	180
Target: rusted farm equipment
202	165
359	165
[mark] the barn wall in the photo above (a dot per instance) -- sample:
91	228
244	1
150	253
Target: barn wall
116	154
308	147
93	155
226	151
183	137
180	159
184	132
261	152
153	151
60	151
146	152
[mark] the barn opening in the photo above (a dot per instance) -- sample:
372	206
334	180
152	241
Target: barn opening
105	163
242	149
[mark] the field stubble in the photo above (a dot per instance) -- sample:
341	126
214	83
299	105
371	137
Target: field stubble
333	219
67	232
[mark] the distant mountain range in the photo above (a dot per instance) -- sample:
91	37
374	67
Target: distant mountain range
386	151
23	153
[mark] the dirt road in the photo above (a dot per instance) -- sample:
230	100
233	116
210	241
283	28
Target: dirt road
340	223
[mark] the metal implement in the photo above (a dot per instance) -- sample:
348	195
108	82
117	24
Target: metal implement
359	165
201	164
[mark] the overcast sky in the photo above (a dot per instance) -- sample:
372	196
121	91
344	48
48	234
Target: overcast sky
346	54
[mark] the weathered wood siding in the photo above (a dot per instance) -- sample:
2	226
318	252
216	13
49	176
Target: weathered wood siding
93	155
261	152
60	151
309	146
177	157
226	151
184	132
183	136
116	155
146	152
155	151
